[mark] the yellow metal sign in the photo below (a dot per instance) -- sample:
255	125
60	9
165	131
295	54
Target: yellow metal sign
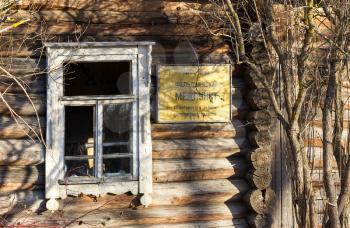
194	93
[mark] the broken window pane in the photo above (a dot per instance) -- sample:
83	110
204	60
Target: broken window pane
97	78
79	141
117	128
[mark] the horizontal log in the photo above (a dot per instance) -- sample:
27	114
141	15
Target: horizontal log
259	178
259	202
26	152
346	113
128	217
197	169
24	105
21	152
257	220
166	45
234	223
259	120
252	80
318	123
111	17
316	132
200	130
114	5
182	193
14	178
30	200
65	28
21	178
10	129
258	99
22	67
32	84
198	148
260	138
194	192
259	157
317	175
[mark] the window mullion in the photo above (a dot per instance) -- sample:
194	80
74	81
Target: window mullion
98	138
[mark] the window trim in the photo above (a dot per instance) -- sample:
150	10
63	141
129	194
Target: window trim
58	54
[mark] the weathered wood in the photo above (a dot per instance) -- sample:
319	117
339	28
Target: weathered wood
255	200
259	178
114	5
167	46
200	130
182	193
258	99
26	152
258	201
143	216
65	28
194	192
234	223
16	202
20	178
32	84
9	129
23	67
257	220
197	169
260	138
111	17
259	120
21	104
21	152
197	148
259	158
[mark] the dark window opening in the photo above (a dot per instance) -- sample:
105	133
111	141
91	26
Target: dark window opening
97	78
79	140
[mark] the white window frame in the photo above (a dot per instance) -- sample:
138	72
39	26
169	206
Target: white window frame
139	54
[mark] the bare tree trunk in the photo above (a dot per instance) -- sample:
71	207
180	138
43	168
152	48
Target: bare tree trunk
327	128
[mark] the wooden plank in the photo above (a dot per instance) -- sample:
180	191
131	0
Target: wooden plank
22	105
21	152
198	148
20	178
128	217
197	169
200	130
9	129
114	5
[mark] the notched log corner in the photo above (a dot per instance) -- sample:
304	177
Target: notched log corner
260	201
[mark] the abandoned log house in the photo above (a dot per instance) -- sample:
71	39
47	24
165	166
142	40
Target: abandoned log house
130	113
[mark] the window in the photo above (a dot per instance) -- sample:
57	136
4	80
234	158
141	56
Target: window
98	120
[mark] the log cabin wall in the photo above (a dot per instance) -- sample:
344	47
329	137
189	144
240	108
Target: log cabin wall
198	169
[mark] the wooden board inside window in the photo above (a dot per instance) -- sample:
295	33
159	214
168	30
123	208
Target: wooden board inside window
194	93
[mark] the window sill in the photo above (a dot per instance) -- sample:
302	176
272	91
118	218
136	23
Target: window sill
94	180
98	188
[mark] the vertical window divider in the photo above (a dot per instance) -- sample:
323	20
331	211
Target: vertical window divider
98	136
